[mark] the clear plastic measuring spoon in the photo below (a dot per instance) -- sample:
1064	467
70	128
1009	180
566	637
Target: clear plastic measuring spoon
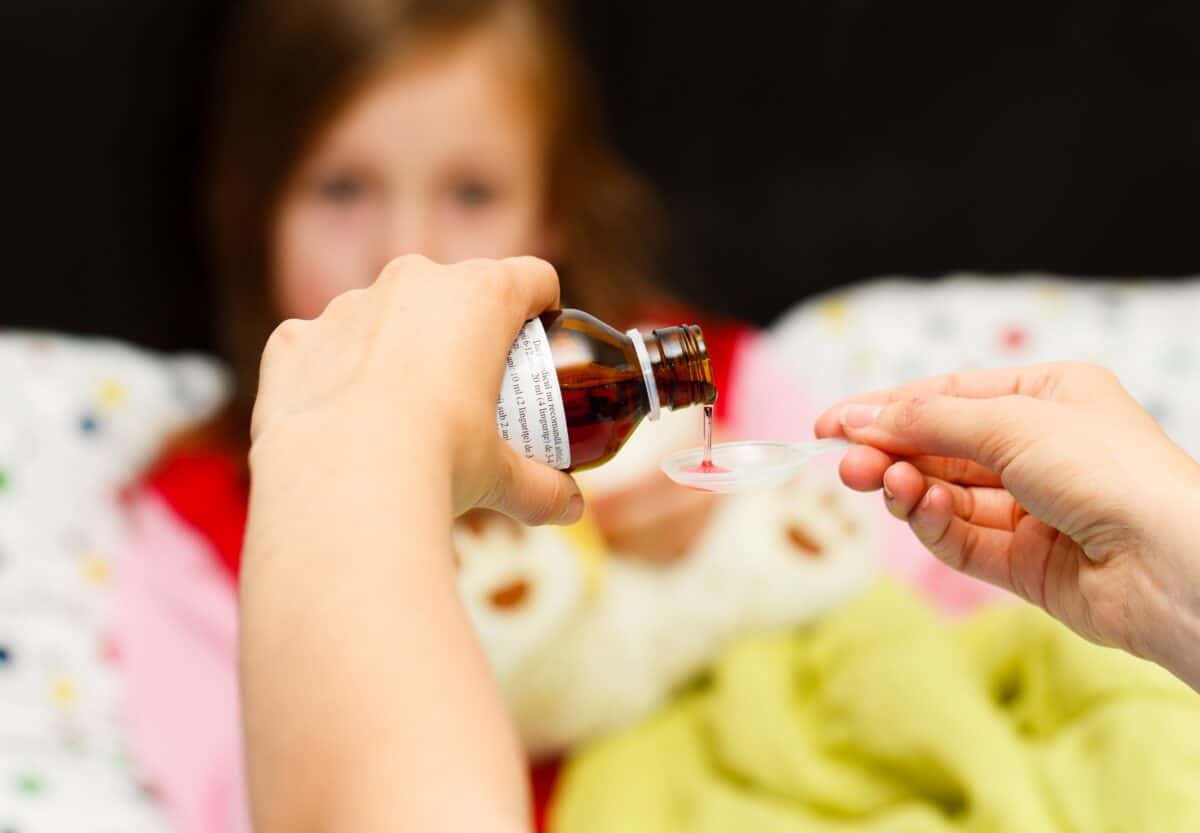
737	467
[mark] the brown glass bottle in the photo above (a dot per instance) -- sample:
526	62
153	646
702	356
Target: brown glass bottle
605	381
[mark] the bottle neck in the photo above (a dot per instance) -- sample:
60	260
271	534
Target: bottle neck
680	365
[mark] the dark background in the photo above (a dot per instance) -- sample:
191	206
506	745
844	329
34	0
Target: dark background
798	146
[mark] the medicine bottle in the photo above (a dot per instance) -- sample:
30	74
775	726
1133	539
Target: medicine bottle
574	388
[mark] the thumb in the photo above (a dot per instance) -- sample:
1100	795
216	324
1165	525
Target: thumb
989	431
533	492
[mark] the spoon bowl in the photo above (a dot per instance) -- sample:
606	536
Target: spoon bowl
741	466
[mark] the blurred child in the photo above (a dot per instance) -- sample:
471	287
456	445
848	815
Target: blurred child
355	133
350	132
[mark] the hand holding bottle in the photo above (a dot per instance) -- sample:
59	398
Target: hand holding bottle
1049	481
413	364
375	424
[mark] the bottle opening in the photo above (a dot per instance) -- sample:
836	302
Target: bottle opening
683	373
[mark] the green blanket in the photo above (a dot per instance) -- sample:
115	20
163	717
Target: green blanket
886	718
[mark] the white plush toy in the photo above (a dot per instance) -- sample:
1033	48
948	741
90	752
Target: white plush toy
584	642
78	420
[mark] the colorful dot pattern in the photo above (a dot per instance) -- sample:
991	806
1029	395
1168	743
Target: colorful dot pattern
89	424
111	395
30	783
1144	331
88	417
96	569
63	691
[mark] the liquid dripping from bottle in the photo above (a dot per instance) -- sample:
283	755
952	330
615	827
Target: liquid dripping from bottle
707	466
708	421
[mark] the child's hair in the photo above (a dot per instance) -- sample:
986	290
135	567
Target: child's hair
291	65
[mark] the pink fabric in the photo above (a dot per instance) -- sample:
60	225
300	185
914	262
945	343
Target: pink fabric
177	634
768	406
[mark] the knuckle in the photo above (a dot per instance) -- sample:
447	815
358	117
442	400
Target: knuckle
546	508
960	469
507	273
1104	376
1089	372
343	303
997	445
1046	380
530	265
284	336
407	261
404	266
952	384
1017	514
966	505
908	414
503	283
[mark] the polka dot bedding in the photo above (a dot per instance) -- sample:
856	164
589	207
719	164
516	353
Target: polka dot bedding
887	332
78	420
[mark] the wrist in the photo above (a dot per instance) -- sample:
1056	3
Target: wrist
1175	643
1172	628
332	475
377	440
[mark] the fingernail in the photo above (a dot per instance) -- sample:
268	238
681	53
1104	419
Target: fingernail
887	493
573	512
859	416
927	499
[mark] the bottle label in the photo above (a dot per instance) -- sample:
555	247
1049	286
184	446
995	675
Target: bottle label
529	412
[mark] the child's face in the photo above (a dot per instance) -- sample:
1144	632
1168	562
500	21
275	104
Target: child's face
440	155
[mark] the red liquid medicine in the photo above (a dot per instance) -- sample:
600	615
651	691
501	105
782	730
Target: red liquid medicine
706	465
